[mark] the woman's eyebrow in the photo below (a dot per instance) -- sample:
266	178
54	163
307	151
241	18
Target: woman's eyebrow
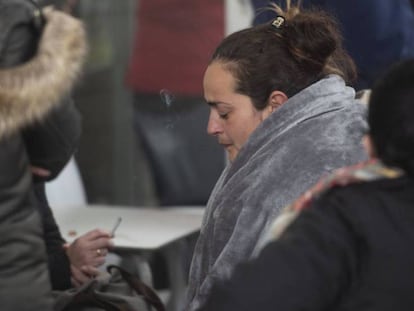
215	104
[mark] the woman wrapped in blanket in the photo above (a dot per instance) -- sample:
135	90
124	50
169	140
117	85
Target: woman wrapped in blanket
348	242
281	108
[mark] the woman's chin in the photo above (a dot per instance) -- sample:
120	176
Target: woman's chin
231	155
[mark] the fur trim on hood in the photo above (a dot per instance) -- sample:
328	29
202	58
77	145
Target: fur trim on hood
30	90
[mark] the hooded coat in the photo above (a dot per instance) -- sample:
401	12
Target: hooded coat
314	132
30	87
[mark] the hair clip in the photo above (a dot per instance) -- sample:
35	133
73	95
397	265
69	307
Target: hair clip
278	22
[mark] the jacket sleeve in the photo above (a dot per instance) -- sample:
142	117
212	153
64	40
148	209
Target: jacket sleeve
58	261
51	142
306	269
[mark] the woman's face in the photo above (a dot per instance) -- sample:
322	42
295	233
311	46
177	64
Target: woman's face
232	116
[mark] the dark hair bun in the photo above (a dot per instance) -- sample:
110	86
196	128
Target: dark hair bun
312	38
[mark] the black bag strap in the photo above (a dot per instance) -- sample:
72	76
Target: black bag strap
147	293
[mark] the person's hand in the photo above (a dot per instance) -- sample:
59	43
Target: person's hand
79	276
89	249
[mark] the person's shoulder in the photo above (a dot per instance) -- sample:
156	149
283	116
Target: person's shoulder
381	184
354	195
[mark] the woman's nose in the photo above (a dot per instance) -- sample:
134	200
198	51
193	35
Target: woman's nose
214	127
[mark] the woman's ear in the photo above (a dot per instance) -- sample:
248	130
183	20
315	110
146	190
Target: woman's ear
275	101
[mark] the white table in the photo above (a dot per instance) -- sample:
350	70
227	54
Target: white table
141	230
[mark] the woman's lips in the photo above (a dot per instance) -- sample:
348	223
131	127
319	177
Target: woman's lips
225	145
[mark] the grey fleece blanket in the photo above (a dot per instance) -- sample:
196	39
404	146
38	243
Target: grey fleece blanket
314	132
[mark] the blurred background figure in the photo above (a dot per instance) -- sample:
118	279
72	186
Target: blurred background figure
172	45
138	168
376	33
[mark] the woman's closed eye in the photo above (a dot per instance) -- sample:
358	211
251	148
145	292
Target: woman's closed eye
224	115
223	112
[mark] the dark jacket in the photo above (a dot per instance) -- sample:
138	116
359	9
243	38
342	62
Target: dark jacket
351	250
376	33
24	282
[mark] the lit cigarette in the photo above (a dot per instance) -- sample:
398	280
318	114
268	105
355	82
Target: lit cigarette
117	223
